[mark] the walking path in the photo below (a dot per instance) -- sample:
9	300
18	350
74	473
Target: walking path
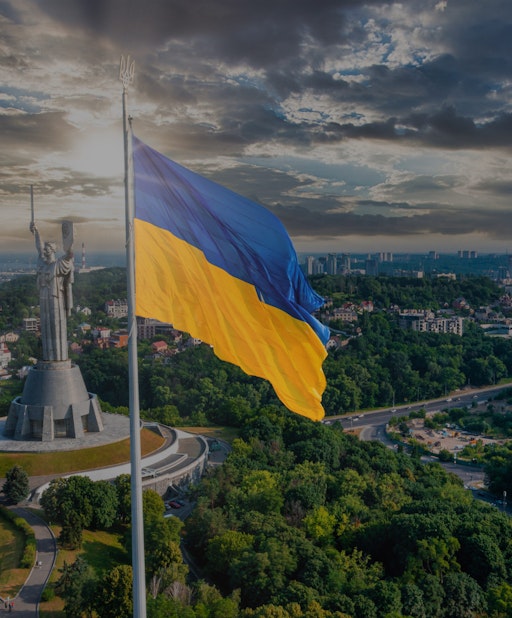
26	602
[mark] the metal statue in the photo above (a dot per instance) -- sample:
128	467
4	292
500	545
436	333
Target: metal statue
54	280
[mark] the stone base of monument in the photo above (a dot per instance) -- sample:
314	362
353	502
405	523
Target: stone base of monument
54	404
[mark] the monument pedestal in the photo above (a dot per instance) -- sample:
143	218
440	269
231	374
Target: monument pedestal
54	404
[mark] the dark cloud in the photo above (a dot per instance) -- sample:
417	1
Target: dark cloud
48	130
438	101
260	33
442	220
494	186
338	101
62	185
443	129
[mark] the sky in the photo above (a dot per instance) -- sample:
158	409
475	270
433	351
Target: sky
364	126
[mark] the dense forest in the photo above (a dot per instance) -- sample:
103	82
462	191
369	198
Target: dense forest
303	515
407	292
301	521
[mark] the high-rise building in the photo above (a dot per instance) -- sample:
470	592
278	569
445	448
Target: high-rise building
467	255
310	265
385	256
371	266
332	264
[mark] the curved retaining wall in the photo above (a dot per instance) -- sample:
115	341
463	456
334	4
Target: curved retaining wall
183	471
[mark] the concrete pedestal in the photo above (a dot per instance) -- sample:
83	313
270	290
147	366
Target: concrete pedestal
54	404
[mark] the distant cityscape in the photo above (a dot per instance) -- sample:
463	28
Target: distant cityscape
495	266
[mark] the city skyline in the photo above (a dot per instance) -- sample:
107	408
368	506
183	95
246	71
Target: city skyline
364	127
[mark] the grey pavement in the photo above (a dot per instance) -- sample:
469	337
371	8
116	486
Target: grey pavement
26	602
116	428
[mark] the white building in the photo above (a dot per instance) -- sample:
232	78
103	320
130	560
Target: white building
116	308
5	355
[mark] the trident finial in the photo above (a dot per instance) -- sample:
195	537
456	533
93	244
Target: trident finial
126	71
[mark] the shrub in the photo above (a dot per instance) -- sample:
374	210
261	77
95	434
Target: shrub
48	594
29	553
445	455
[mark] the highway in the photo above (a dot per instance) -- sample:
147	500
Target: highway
382	415
372	426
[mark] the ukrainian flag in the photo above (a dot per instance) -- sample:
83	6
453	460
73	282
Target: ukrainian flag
223	269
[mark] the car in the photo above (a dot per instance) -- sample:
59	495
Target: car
174	505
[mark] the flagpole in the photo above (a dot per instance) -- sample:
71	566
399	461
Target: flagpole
139	580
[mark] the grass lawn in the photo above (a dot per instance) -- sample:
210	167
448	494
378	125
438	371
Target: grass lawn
102	550
222	433
62	462
12	543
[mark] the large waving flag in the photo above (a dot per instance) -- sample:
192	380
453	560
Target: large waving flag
223	268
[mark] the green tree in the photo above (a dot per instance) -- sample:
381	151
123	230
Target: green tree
114	598
500	600
104	503
225	548
77	586
152	506
77	502
463	596
210	603
122	484
260	491
412	601
319	525
16	486
482	558
71	531
161	549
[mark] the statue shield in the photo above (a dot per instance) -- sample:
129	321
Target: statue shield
68	235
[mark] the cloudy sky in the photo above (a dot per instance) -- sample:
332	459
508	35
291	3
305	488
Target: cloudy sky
365	126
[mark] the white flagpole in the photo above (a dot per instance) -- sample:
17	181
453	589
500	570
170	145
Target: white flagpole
139	579
31	203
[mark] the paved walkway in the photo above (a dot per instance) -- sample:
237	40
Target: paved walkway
26	602
116	428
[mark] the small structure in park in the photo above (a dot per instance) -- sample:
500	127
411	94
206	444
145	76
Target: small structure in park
55	402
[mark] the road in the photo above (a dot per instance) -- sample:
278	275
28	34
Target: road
26	602
373	427
382	416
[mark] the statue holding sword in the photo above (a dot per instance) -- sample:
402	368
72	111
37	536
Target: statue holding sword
54	281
